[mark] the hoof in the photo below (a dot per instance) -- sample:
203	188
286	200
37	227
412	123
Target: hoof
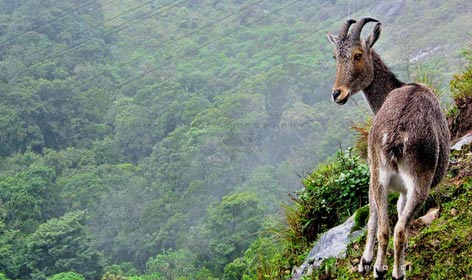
364	266
401	278
380	274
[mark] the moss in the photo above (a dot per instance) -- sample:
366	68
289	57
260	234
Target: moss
361	217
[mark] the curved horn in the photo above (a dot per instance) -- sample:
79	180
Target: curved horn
345	29
357	29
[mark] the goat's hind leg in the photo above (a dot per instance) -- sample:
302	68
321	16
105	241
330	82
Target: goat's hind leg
414	200
401	204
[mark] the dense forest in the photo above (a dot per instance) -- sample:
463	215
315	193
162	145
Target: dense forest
161	139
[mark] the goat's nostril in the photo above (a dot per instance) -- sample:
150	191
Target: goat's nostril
336	93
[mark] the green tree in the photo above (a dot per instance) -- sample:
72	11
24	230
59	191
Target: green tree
118	216
232	225
235	270
61	245
259	262
30	197
172	265
67	276
10	254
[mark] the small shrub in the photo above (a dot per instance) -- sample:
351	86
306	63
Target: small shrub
260	261
459	115
362	136
332	193
461	85
235	270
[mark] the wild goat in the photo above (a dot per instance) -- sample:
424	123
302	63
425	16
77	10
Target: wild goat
408	144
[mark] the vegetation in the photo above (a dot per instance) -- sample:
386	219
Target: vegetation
157	140
331	194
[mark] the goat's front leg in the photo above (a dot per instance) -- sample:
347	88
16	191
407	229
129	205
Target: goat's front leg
368	255
380	195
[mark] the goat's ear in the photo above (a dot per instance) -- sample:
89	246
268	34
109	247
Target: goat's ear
332	38
374	36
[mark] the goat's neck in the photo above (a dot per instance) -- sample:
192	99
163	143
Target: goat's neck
383	83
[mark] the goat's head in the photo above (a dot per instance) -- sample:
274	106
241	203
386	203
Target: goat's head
354	63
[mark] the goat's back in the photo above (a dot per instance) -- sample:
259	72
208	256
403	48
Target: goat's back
411	127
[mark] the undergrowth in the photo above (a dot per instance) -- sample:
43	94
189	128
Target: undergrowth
331	194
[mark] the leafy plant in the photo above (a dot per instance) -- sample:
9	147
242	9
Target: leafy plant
331	193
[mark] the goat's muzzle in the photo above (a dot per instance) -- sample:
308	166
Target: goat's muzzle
340	96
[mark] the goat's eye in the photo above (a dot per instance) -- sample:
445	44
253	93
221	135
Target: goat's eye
334	57
357	56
